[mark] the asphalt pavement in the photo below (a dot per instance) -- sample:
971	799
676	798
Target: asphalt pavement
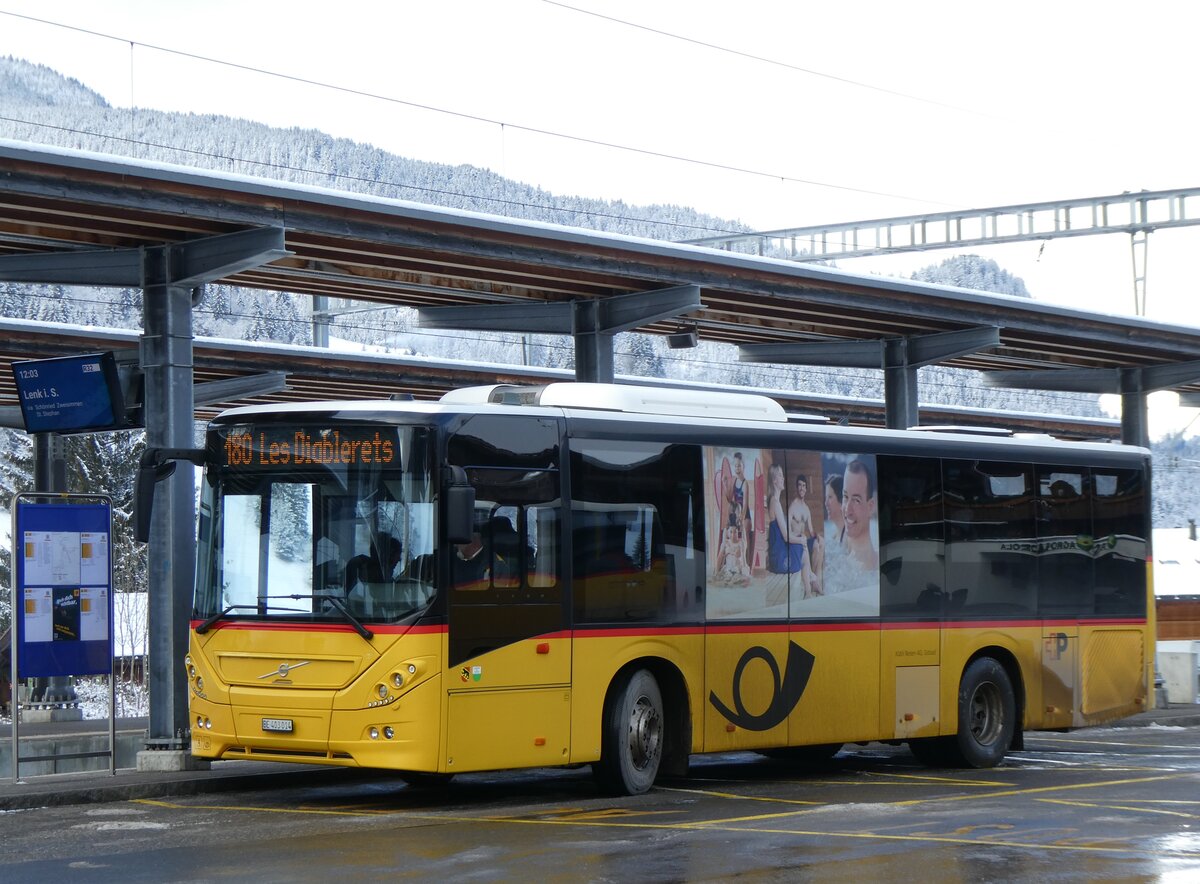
229	776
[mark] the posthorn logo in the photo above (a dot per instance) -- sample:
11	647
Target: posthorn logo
786	694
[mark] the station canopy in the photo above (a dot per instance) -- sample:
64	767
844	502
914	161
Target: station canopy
403	254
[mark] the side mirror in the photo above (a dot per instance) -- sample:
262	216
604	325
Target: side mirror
156	464
459	500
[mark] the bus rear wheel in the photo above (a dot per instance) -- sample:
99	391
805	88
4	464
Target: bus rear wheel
987	719
632	742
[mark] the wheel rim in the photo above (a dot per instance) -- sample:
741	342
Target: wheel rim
986	713
645	733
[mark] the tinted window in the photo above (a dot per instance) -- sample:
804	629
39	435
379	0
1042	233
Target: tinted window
637	546
1064	530
1119	524
991	544
505	440
911	541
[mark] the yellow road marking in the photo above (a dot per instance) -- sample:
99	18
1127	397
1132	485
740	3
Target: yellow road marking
706	826
1100	805
608	813
949	781
1010	792
734	796
966	830
1076	742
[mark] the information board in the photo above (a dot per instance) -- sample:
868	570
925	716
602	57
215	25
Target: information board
62	595
70	394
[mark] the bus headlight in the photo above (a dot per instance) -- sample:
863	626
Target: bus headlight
397	680
382	690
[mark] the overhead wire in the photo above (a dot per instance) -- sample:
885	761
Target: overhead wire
884	90
281	167
536	130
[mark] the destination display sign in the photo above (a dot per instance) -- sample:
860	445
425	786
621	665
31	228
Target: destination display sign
308	446
70	394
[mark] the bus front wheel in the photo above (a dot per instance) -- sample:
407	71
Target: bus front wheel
632	742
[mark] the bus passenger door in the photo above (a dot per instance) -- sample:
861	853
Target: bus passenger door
508	648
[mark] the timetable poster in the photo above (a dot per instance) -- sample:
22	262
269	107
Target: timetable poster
64	587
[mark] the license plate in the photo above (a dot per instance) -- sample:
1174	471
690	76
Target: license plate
278	725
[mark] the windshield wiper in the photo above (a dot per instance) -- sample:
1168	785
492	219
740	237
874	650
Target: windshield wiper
208	624
341	606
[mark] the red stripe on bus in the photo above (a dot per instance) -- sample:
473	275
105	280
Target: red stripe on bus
723	629
320	627
629	631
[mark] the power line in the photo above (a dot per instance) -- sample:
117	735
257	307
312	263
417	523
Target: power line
534	130
771	61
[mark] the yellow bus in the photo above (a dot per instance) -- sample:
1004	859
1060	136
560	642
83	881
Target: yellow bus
626	576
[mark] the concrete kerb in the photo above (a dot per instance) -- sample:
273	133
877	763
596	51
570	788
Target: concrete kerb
57	790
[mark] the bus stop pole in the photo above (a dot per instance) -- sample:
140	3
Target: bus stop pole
50	476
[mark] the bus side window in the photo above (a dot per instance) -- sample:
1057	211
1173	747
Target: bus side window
504	545
1119	551
637	556
1066	585
991	562
541	529
911	537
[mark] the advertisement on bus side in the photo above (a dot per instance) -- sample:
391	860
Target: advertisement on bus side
795	533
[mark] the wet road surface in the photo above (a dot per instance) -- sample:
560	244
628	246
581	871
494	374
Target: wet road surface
1095	805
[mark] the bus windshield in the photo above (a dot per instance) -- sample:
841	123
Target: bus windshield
327	522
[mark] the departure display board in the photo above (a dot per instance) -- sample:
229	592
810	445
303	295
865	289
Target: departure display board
70	394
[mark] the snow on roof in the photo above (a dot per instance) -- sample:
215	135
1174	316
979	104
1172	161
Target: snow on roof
1176	562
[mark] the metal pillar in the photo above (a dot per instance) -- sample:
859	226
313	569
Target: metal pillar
167	275
49	462
1135	423
898	357
899	386
593	345
1133	384
169	410
50	475
1139	248
320	320
592	323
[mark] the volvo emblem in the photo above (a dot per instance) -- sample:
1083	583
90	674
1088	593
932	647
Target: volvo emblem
284	669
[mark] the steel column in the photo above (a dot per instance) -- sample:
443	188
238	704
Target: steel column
169	412
898	357
899	386
593	323
50	475
1132	384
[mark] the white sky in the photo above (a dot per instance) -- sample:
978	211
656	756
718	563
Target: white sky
865	110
